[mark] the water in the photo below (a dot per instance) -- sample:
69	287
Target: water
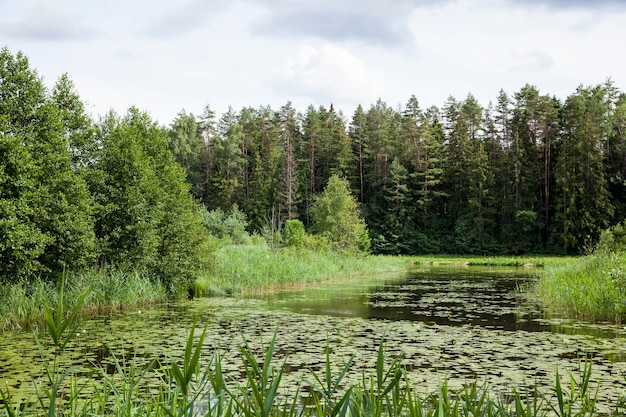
489	297
454	323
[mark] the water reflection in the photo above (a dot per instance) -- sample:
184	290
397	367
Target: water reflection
445	323
441	295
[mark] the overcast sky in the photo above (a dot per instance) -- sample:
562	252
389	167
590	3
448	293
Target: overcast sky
168	55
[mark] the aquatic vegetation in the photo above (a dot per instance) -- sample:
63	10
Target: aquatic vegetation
22	304
187	388
248	267
224	363
592	288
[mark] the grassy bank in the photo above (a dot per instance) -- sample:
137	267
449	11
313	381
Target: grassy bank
591	288
251	267
528	260
23	304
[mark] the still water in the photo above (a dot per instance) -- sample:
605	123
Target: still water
446	323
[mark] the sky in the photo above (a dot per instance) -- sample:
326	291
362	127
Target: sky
165	56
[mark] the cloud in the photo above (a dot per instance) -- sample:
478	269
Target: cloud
367	21
328	72
48	20
534	60
183	18
583	4
340	26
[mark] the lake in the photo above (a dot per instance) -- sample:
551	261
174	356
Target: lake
447	323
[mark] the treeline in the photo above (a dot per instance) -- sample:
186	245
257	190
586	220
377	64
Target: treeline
530	173
75	194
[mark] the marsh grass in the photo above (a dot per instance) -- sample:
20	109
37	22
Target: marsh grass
23	304
249	267
536	261
593	288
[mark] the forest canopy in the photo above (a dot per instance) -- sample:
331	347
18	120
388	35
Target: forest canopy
528	172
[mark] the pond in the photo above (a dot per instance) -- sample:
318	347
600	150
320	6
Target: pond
446	323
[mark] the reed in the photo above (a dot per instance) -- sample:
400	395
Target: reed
593	288
244	267
22	304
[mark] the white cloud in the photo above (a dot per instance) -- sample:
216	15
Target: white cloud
330	72
47	20
534	60
165	55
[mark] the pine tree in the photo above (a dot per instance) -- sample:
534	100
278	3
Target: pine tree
583	207
186	144
289	133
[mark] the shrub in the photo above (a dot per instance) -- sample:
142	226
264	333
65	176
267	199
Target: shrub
294	233
613	240
229	227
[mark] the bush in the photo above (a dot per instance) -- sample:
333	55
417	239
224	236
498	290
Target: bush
294	233
335	214
228	227
613	240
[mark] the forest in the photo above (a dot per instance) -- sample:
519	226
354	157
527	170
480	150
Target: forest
529	174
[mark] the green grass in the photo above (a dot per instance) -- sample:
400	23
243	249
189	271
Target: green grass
251	267
22	304
538	260
592	288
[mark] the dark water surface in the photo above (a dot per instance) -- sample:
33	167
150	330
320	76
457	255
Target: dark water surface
446	323
489	297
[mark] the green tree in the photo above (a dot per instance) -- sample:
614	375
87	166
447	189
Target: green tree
336	216
46	223
289	136
359	149
470	178
208	132
78	127
228	162
187	145
583	207
146	218
22	242
397	237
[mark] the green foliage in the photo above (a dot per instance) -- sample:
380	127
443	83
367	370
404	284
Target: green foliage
243	267
583	207
294	233
21	241
613	240
336	216
593	288
46	220
186	389
145	216
230	227
23	304
188	147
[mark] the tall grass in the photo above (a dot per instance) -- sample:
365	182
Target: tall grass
243	267
22	304
592	288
